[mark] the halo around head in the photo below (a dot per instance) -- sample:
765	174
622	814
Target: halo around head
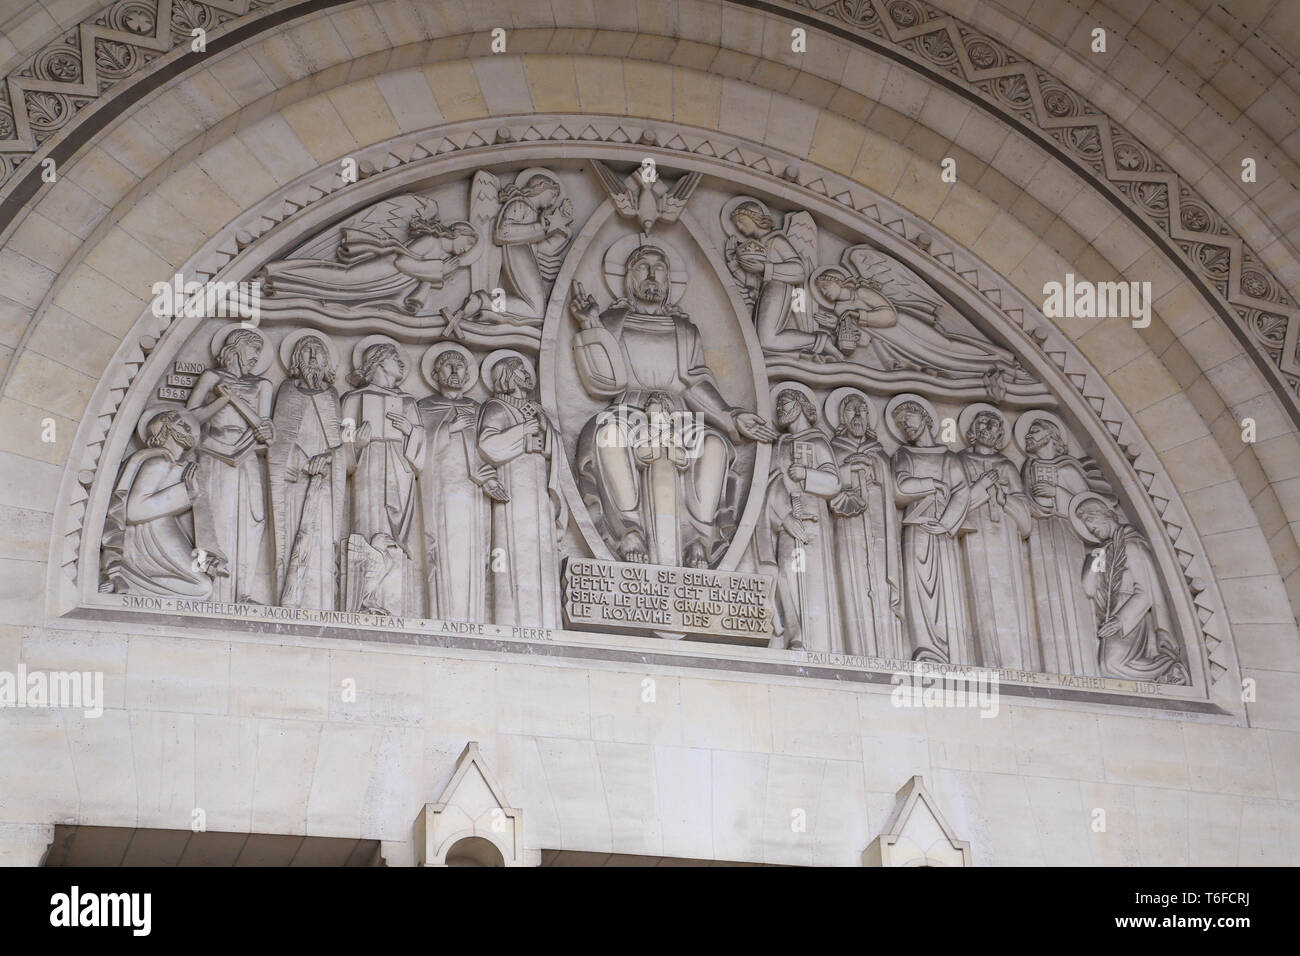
899	400
816	292
219	340
290	342
967	416
835	400
527	174
359	350
431	355
1026	421
729	207
493	358
142	426
1079	527
616	265
799	387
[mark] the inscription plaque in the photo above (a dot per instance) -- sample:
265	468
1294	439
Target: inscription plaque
634	596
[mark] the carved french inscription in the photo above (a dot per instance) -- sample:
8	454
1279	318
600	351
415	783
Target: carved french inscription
619	595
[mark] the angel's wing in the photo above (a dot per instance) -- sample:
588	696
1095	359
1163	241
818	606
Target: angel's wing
673	202
624	199
802	233
900	285
389	217
484	204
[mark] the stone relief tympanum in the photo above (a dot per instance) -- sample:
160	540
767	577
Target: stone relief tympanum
760	395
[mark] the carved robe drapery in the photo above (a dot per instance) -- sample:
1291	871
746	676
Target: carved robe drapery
383	490
230	519
807	602
1125	587
518	229
149	544
457	512
526	589
1067	629
934	590
629	358
867	554
996	525
780	326
307	509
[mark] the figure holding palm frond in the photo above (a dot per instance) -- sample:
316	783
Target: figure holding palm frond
1134	626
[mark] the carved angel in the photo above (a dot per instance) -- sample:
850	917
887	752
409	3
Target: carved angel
397	253
874	300
523	228
772	265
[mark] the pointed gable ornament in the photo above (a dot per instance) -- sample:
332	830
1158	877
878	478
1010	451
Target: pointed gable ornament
472	823
918	834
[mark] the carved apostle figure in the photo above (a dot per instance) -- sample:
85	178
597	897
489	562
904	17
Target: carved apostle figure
308	467
1134	628
930	483
516	437
997	524
1067	631
456	486
382	574
232	403
865	522
794	538
643	345
149	531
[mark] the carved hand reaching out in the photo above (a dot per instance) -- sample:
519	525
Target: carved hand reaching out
753	426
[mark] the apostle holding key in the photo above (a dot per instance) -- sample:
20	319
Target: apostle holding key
794	538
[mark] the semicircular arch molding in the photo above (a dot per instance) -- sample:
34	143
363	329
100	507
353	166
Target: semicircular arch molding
291	215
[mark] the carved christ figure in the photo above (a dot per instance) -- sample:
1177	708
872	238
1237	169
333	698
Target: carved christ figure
865	522
638	347
930	483
1137	639
149	532
233	405
308	469
455	485
1066	626
794	539
515	436
389	452
997	523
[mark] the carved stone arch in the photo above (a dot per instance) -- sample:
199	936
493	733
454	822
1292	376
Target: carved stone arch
471	823
918	834
316	199
922	37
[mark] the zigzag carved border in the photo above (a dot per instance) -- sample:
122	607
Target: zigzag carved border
43	101
418	149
